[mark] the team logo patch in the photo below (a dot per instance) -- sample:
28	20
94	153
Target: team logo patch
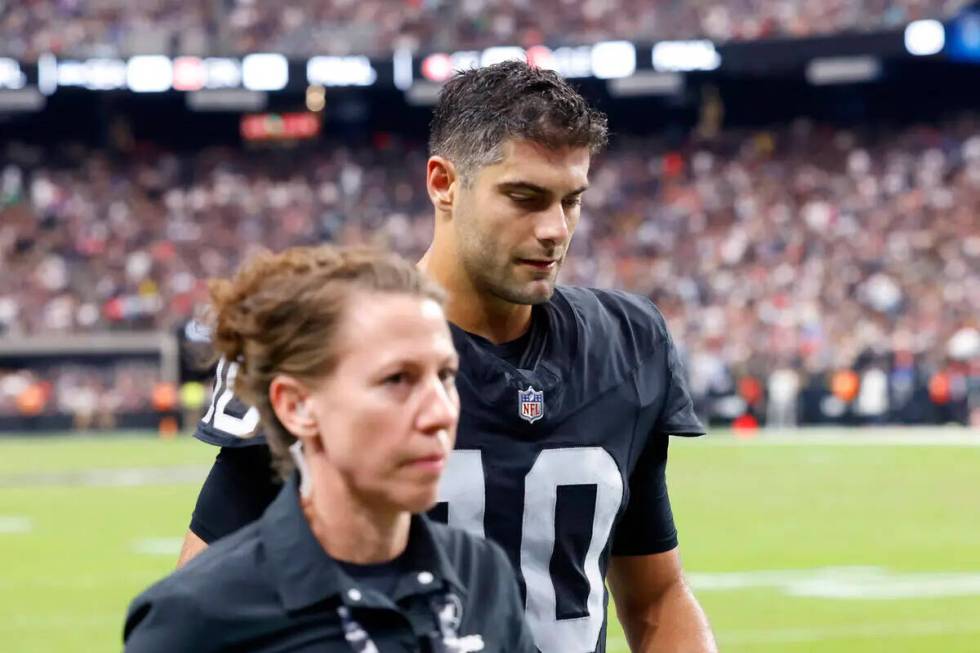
530	404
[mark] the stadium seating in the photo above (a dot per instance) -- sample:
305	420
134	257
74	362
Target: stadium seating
803	250
113	27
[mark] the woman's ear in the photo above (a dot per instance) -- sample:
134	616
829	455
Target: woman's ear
291	402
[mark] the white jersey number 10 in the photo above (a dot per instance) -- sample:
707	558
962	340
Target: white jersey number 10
463	488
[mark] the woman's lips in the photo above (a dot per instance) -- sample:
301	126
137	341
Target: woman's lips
434	463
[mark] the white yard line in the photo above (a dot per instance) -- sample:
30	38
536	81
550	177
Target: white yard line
158	546
876	631
859	437
844	583
113	477
15	525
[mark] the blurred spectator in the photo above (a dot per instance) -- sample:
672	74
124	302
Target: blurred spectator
90	28
783	394
835	255
872	399
93	395
193	397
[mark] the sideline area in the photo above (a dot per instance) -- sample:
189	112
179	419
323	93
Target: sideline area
817	541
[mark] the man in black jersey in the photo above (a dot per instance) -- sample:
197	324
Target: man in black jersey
568	394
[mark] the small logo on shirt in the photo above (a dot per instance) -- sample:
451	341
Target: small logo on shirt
450	618
530	404
451	614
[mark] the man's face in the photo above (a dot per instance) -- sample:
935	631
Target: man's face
387	414
515	219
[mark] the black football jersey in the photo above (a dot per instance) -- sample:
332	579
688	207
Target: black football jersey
561	451
229	422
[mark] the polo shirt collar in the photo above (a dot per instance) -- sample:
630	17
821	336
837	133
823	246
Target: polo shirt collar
425	553
304	574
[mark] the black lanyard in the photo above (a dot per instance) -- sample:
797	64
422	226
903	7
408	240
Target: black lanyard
356	636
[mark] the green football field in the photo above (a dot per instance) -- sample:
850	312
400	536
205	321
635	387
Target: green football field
839	543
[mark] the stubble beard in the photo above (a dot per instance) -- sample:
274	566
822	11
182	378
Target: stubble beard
498	281
497	278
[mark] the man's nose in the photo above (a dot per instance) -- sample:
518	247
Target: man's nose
552	226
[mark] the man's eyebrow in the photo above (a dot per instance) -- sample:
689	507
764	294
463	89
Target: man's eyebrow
534	188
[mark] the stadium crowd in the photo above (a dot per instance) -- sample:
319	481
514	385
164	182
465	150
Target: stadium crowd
782	259
94	396
94	28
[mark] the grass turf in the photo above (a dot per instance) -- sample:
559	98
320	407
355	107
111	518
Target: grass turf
74	553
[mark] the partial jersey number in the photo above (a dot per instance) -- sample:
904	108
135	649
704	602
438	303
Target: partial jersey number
463	487
224	393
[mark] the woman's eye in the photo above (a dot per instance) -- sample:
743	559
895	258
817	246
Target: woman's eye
396	379
573	202
448	375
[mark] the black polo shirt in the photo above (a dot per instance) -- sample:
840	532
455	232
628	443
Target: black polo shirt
271	587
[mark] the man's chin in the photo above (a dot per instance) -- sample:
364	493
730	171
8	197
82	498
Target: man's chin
522	291
534	292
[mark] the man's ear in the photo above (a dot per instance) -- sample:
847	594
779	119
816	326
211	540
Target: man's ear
291	403
441	180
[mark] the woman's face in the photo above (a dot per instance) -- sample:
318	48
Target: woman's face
387	414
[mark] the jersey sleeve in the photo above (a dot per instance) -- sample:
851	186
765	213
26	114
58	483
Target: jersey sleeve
647	525
678	416
229	422
239	487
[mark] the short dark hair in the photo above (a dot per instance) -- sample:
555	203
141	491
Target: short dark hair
481	108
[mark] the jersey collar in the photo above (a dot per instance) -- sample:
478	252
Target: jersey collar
304	574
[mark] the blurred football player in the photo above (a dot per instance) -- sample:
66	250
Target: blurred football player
568	394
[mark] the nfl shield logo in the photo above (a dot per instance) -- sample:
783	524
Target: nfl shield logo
531	404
